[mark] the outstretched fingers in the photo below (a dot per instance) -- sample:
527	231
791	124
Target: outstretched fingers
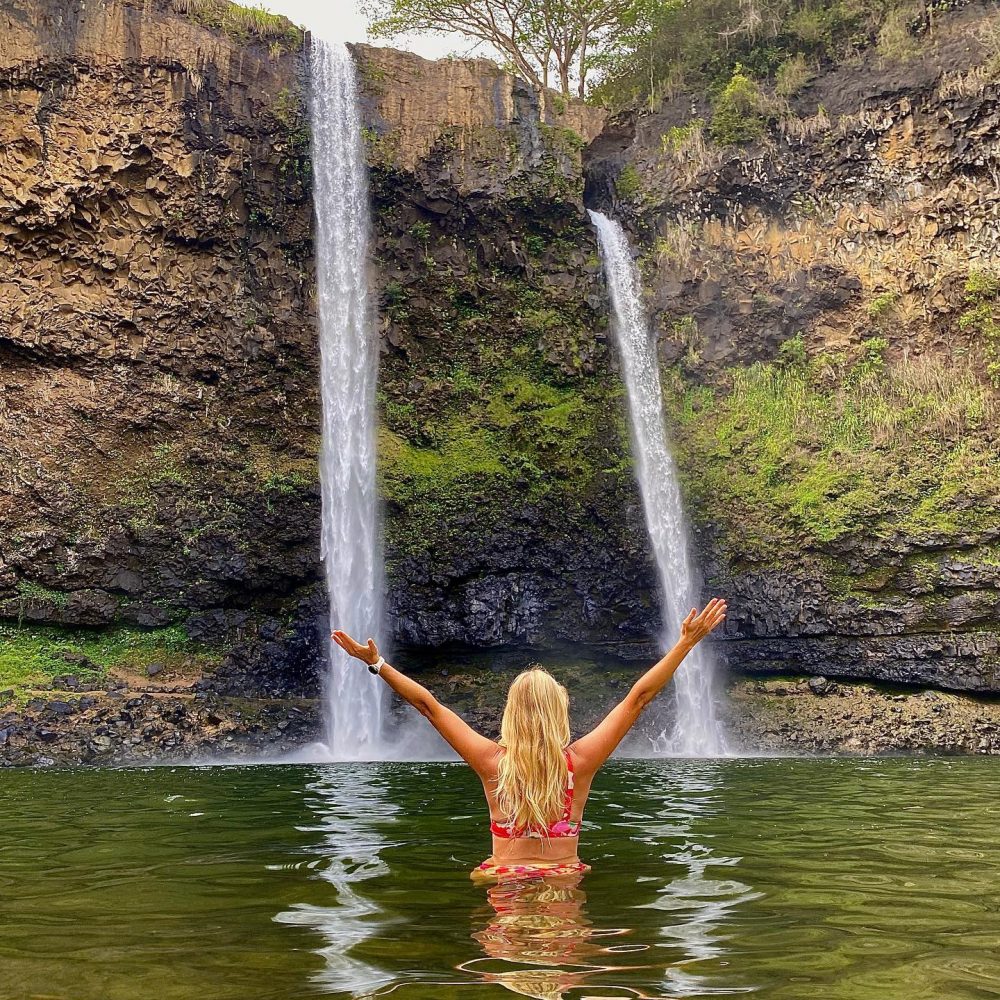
712	615
345	642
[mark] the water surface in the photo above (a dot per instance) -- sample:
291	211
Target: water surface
835	879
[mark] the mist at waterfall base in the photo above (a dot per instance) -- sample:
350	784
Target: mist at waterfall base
696	731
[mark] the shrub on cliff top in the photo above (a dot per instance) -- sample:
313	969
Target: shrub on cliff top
689	46
738	111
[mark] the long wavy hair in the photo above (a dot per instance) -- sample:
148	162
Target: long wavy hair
534	732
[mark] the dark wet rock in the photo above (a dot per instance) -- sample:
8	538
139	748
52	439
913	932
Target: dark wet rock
819	685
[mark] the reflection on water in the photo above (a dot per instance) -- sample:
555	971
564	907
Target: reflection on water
796	879
535	935
695	904
351	808
542	940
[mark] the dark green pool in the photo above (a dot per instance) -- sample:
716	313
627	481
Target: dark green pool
833	879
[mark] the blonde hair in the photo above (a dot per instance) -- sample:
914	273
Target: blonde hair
534	731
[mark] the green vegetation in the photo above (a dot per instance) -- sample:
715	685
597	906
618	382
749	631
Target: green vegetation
288	111
739	111
807	451
29	592
30	656
792	75
684	46
982	296
628	184
244	24
882	305
547	42
677	137
503	433
896	41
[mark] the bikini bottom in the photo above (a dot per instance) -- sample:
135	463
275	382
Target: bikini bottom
533	869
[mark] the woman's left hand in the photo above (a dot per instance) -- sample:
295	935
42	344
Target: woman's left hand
369	653
696	626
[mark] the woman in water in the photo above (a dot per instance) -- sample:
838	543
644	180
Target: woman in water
536	781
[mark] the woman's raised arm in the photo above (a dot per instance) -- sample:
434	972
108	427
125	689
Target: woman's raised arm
474	748
594	749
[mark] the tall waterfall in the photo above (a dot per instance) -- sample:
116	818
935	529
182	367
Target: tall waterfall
355	701
697	731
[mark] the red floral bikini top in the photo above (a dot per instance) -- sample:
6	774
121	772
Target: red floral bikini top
561	828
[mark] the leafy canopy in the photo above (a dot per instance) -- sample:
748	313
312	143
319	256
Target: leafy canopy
547	42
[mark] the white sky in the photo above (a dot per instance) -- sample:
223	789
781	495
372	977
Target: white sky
342	20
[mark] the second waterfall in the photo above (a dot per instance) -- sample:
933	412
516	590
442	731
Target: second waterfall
697	731
355	706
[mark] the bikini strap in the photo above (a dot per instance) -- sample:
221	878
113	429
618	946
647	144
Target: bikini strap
568	802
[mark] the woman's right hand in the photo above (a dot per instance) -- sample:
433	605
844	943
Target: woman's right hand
696	626
369	653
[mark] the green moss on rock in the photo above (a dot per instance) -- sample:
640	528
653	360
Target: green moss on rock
31	656
792	455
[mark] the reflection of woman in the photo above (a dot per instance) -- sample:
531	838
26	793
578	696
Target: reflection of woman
540	931
539	921
536	782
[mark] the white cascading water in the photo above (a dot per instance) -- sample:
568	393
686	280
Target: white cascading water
355	706
697	731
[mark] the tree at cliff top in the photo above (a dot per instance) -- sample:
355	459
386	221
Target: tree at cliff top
543	40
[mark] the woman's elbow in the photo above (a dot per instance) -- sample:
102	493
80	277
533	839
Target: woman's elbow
638	700
427	706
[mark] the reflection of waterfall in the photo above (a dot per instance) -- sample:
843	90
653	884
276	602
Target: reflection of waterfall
696	904
697	732
350	805
355	705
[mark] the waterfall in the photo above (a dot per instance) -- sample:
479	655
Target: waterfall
355	701
696	731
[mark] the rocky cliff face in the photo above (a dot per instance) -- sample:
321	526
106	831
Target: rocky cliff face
159	395
511	516
826	299
159	412
160	406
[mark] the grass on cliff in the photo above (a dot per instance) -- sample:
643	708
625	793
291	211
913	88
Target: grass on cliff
244	24
809	451
31	655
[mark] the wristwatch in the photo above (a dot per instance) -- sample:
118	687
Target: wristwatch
375	667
